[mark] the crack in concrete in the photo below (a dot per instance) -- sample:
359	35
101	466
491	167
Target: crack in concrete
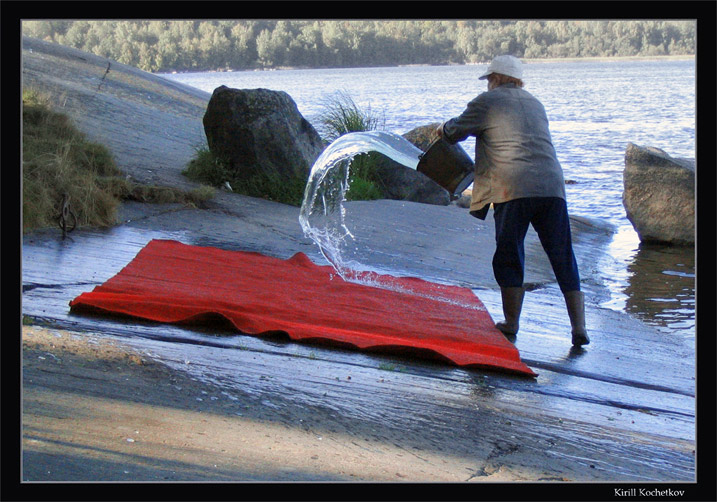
31	286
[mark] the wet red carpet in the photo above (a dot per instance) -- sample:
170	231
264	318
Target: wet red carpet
178	283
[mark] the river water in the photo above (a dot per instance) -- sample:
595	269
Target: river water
595	109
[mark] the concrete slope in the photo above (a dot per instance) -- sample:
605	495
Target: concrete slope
152	125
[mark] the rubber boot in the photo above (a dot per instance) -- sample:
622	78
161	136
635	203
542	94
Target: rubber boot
575	302
512	305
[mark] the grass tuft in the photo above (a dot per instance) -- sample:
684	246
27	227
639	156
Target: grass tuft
208	168
342	115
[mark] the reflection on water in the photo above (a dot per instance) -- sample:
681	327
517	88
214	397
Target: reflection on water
653	282
661	286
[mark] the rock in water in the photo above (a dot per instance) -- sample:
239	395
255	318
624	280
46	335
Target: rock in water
659	195
260	130
423	136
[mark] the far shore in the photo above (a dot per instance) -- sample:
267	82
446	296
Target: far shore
587	59
602	59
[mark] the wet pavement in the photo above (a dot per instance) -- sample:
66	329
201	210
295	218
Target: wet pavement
624	404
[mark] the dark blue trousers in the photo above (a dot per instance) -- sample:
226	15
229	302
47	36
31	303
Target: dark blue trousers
549	217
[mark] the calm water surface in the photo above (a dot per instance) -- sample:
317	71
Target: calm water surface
595	110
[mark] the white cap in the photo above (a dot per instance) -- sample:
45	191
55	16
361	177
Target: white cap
505	65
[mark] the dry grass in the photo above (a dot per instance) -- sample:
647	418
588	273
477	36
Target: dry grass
58	162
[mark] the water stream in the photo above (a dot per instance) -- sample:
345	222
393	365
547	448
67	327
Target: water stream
323	216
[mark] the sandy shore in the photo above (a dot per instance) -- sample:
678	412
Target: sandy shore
99	407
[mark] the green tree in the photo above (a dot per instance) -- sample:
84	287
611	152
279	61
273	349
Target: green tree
160	45
244	52
76	34
334	37
214	45
265	49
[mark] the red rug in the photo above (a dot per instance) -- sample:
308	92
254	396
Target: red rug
178	283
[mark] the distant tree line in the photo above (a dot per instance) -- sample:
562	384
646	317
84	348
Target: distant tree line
186	45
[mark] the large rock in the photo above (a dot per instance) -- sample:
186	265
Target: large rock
399	182
403	183
259	130
659	195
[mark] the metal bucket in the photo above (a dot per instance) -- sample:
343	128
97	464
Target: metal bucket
448	165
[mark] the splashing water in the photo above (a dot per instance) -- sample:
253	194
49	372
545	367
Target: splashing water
322	215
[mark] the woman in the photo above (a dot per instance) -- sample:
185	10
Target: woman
517	171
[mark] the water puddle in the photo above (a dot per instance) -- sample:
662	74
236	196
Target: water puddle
661	287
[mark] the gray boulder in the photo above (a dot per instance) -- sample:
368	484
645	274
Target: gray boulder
659	195
403	183
260	130
464	200
399	182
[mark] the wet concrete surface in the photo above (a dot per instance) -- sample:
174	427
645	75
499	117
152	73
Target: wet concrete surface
621	409
624	404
